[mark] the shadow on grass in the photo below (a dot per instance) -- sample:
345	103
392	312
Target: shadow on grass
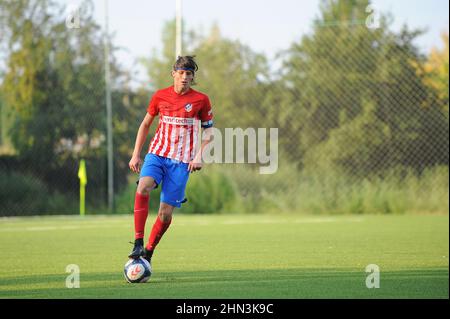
297	283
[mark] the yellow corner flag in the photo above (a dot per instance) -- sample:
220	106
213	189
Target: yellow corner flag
82	172
83	181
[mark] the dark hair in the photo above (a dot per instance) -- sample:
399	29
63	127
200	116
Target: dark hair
186	62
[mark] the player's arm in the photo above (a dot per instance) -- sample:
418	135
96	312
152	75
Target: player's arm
206	118
196	163
136	162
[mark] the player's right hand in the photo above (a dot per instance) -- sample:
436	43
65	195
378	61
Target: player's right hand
135	164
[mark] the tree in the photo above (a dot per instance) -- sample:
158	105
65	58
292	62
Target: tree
344	79
230	72
435	72
54	90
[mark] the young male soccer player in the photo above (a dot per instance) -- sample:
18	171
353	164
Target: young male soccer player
171	155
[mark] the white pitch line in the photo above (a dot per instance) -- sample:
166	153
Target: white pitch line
273	221
190	223
50	228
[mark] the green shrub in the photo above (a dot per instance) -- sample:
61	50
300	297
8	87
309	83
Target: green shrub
396	191
210	191
24	195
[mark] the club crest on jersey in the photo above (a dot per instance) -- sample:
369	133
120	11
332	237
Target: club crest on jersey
188	107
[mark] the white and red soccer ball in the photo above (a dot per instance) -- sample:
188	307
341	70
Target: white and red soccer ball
137	270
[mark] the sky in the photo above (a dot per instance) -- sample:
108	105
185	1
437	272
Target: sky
266	26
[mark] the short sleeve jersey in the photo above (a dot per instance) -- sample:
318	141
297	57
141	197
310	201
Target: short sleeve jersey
179	119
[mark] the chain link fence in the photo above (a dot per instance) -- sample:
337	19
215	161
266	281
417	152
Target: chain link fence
362	119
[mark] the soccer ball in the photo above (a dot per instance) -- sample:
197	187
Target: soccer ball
137	270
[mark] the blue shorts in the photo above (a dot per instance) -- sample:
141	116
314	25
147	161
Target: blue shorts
171	173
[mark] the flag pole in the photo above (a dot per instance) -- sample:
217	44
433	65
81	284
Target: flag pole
82	175
179	29
109	131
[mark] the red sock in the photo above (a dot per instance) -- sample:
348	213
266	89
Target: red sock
140	214
158	230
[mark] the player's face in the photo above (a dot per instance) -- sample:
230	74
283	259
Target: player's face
182	79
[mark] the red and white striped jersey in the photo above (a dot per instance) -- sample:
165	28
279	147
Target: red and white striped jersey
179	118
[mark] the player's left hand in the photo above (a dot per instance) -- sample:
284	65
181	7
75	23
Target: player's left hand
194	166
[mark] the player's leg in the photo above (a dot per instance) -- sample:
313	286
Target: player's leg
160	226
141	200
150	177
146	184
172	195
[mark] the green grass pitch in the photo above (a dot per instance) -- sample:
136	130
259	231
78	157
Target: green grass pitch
230	256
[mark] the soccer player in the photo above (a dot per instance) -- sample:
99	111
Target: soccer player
173	152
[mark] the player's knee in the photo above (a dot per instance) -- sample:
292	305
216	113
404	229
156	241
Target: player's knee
146	187
165	217
165	212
